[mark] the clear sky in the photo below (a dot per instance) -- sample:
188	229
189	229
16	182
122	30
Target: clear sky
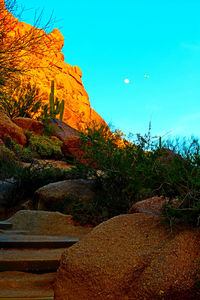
114	40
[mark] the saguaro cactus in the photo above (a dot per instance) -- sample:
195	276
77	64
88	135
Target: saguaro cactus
55	106
160	142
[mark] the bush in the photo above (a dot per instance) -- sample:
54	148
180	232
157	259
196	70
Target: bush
93	212
37	147
29	178
18	100
7	160
44	146
128	173
20	153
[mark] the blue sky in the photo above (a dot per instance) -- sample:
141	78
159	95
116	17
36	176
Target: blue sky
111	40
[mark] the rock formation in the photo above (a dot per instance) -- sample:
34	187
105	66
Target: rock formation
44	62
60	194
10	129
131	257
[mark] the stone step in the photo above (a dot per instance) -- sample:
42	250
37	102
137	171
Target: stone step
27	298
30	260
8	231
26	286
35	241
5	225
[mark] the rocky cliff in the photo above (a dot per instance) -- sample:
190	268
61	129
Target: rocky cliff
45	62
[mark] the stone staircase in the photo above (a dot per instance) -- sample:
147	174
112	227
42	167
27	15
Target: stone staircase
28	263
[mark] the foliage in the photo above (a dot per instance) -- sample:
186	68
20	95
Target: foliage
29	178
18	100
37	147
16	49
44	146
20	153
6	155
128	173
92	212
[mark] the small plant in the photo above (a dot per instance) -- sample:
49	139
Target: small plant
88	212
7	160
43	146
20	153
19	100
29	178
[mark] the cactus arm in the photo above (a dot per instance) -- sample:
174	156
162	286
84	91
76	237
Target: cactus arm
160	143
62	104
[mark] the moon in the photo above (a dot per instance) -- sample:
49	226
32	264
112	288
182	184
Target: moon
126	80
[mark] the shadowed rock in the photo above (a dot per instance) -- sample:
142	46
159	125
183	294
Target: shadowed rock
131	257
11	130
55	195
29	124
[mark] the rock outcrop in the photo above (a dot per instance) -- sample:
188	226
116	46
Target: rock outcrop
151	206
11	130
45	62
131	257
60	194
29	124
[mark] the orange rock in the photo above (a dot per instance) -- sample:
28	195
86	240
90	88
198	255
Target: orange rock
29	124
10	129
71	147
131	257
151	206
45	63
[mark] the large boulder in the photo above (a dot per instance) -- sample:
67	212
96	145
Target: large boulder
151	206
29	124
11	130
131	257
59	195
7	190
61	130
71	148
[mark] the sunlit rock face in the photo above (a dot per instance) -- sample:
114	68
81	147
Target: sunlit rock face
45	62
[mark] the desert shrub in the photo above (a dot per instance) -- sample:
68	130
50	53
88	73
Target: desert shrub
29	178
7	160
128	173
44	146
19	100
93	212
6	153
21	153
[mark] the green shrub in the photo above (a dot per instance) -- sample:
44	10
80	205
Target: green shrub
7	160
20	100
37	147
29	178
93	212
21	153
129	173
44	146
